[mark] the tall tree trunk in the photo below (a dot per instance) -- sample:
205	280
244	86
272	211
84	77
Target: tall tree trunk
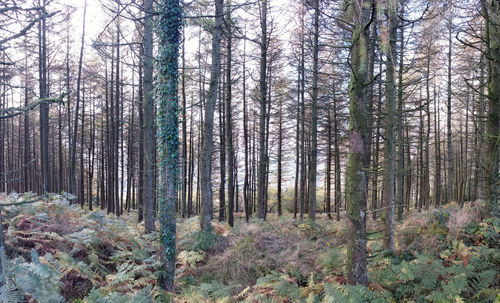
169	24
448	122
492	33
72	173
27	152
426	185
356	175
148	119
246	184
400	144
297	149
262	117
208	128
229	122
328	195
376	153
44	107
81	194
191	165
140	179
184	132
336	147
302	116
313	160
222	150
118	119
280	148
390	123
91	158
437	143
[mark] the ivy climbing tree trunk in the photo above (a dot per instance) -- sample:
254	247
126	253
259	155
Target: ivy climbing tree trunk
169	25
356	175
208	128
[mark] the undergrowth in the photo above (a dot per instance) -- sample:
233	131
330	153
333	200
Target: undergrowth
56	252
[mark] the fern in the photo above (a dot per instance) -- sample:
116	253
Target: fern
216	290
86	236
143	296
335	293
36	279
191	257
9	293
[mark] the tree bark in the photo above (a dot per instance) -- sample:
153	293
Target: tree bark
149	118
390	123
356	175
492	33
229	122
262	117
207	145
44	107
313	160
72	173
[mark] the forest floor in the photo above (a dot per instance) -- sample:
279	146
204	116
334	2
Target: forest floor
56	252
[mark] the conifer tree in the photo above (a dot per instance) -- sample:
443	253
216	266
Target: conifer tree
358	160
491	12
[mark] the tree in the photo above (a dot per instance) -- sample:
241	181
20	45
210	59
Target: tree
169	25
356	175
448	105
313	160
229	121
208	128
491	13
390	122
261	184
72	174
148	118
44	107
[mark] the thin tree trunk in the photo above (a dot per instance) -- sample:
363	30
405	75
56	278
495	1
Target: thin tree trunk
44	107
400	144
222	150
448	122
262	117
314	118
229	122
390	124
184	132
81	195
72	173
148	120
140	179
246	193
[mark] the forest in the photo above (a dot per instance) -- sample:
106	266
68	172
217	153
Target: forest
249	151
